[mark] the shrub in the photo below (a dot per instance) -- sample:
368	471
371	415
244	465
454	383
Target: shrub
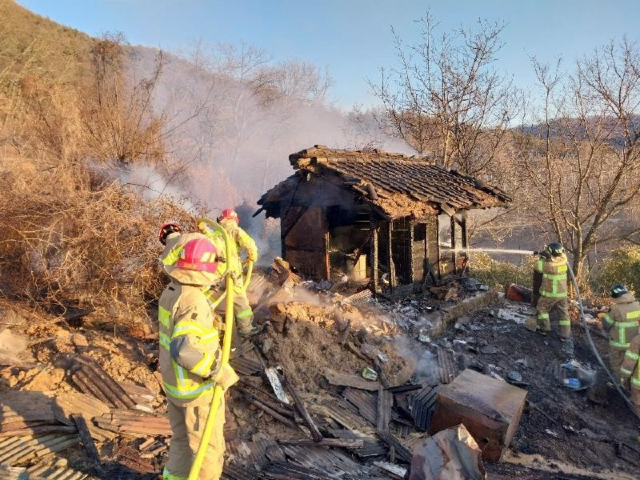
67	235
494	272
622	266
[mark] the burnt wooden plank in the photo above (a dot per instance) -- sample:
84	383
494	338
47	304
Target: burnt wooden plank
350	380
385	402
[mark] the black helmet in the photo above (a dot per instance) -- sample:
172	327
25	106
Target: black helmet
618	290
555	249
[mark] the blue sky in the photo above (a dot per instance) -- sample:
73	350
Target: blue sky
352	38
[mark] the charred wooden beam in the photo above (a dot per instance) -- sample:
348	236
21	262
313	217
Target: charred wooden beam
85	437
326	442
278	407
315	432
282	419
401	451
385	402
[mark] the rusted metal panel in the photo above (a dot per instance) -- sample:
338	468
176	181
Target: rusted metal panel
490	409
93	380
332	462
47	470
71	403
134	424
20	450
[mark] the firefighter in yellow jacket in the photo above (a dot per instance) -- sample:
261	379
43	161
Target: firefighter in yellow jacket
190	363
622	324
241	242
553	290
630	370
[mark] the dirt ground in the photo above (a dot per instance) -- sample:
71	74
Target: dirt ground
588	429
582	428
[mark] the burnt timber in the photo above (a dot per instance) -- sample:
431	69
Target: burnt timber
377	217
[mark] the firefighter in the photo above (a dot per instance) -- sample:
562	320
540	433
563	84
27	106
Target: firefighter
622	324
630	370
240	242
190	361
172	237
552	264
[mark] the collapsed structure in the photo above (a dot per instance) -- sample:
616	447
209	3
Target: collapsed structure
376	216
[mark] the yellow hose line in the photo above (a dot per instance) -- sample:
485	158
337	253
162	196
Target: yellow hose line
247	279
226	351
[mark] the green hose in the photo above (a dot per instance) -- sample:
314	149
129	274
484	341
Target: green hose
226	351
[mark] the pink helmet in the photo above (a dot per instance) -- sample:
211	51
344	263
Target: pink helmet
229	214
198	254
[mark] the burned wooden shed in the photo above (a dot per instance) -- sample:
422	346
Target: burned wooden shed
387	218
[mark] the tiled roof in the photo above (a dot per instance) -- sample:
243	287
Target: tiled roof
404	185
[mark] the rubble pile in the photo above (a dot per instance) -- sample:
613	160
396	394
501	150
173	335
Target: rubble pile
334	387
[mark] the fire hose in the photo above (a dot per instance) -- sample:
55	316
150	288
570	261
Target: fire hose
226	351
614	380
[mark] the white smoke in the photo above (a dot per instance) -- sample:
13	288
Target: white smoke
230	132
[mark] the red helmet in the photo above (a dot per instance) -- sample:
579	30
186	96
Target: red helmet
198	254
229	214
167	229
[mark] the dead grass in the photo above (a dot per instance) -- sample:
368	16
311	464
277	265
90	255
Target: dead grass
67	235
70	235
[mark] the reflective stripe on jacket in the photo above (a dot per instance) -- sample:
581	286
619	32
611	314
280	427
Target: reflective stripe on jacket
631	364
554	276
242	242
622	321
189	343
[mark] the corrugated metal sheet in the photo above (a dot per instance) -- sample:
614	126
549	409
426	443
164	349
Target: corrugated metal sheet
423	406
51	472
93	380
236	472
19	450
448	366
134	423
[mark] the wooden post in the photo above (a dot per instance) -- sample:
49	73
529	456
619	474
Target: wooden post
327	259
454	254
374	260
439	264
392	266
412	266
465	233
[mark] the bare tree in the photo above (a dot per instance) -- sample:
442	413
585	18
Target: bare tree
121	123
444	98
583	162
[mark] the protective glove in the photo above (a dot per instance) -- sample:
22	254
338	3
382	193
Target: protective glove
227	377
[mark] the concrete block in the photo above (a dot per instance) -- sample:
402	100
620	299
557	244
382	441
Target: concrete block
488	408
